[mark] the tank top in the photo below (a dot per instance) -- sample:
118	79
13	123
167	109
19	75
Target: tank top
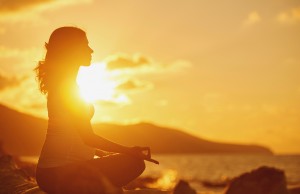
63	143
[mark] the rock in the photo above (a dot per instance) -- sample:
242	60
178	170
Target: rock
15	180
294	190
215	184
264	180
183	187
147	191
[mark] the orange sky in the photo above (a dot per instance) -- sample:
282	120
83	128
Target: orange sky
223	70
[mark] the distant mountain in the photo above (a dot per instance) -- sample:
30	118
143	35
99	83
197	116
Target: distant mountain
167	140
23	134
20	133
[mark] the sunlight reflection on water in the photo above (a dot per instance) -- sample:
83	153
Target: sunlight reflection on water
167	181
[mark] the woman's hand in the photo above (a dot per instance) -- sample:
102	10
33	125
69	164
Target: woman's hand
140	152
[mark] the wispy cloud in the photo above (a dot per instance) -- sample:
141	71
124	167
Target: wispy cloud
24	95
291	16
18	61
139	64
17	5
123	61
6	82
118	100
253	18
29	10
37	106
133	85
8	52
7	6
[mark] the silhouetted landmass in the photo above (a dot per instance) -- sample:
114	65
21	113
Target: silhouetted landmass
167	140
23	134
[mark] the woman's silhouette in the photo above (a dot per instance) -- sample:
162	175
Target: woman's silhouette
67	156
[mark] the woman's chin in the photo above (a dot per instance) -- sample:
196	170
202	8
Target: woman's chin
86	64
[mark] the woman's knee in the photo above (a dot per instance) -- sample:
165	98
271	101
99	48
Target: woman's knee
120	169
135	164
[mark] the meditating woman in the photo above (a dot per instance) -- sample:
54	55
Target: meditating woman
67	163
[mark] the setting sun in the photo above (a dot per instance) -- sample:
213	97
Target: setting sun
95	84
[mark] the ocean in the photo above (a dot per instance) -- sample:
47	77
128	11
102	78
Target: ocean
217	168
196	168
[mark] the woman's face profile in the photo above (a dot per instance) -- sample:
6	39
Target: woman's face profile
69	46
84	53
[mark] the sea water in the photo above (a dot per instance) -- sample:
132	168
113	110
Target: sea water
215	168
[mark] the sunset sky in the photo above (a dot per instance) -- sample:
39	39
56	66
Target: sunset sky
223	70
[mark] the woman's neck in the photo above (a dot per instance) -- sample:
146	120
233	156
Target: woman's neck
65	80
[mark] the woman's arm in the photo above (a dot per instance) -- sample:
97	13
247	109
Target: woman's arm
93	140
88	136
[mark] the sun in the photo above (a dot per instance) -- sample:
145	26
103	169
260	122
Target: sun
95	83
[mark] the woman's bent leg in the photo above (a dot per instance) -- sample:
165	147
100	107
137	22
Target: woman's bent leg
89	176
120	169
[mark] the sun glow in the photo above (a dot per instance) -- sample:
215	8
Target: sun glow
95	83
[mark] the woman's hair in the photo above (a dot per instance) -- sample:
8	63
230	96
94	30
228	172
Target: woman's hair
59	56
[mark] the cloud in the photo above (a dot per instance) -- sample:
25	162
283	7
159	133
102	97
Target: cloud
25	96
139	64
19	61
107	103
12	11
122	61
6	82
133	85
6	52
118	100
253	18
38	106
17	5
291	16
9	53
